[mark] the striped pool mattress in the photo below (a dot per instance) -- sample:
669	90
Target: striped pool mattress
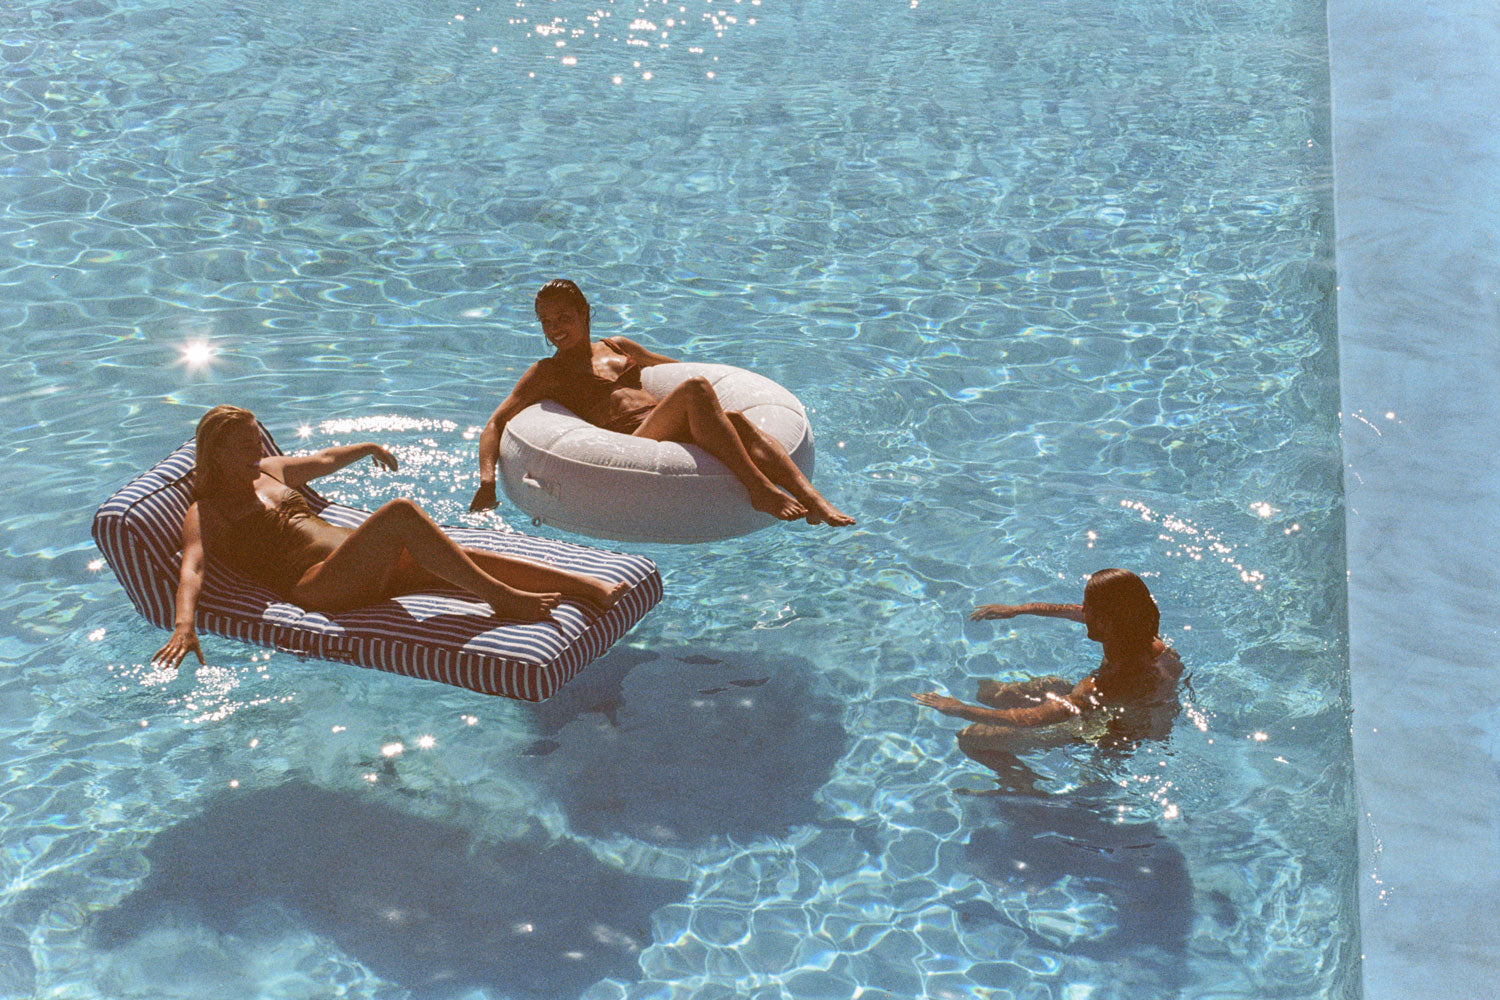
448	636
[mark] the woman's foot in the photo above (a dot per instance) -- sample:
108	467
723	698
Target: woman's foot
820	511
769	500
521	605
601	595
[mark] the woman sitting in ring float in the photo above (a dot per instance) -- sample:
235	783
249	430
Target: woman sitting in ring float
601	383
249	514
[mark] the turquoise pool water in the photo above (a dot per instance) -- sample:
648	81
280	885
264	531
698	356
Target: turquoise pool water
1054	281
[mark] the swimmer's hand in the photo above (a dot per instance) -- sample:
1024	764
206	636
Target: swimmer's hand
484	497
985	612
381	457
183	641
941	702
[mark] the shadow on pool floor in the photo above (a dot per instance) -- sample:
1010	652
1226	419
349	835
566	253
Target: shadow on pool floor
1073	843
417	901
690	744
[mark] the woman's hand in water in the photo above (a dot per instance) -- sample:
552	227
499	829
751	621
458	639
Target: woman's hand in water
381	457
941	702
183	641
986	612
484	497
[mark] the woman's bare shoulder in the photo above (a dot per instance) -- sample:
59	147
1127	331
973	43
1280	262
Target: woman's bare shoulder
1169	666
204	520
537	380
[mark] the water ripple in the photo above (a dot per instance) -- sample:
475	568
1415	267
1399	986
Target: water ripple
1057	299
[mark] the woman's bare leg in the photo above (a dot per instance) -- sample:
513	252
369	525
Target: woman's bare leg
361	569
531	575
771	458
527	574
691	413
1011	773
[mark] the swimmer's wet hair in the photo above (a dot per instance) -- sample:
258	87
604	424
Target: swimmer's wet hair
565	291
1125	601
212	427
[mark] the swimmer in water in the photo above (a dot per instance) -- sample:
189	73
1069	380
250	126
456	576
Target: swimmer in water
600	381
1139	671
248	513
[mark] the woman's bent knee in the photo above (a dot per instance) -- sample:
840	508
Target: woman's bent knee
978	737
699	386
400	509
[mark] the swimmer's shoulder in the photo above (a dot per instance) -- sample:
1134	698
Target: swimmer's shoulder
1168	663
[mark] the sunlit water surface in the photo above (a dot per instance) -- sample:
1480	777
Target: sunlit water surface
1053	280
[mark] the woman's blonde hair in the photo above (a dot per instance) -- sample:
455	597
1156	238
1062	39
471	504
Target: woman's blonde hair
209	437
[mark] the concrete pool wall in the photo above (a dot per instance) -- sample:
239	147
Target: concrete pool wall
1416	153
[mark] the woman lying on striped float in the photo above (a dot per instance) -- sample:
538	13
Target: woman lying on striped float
248	513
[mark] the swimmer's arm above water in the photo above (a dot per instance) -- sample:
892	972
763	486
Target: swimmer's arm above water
184	637
299	470
529	389
1072	612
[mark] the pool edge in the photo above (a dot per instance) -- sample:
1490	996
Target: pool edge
1418	302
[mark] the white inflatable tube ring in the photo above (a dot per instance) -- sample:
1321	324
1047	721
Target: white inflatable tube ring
570	474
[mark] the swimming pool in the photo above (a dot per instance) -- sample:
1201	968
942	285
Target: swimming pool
1054	282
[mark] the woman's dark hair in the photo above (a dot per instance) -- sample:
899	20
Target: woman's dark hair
565	291
212	427
1123	600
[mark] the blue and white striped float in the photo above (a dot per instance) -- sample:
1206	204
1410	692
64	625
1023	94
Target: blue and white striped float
446	637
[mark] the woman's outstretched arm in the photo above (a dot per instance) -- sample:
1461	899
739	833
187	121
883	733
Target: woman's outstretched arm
528	390
641	355
299	470
1072	612
1055	708
184	637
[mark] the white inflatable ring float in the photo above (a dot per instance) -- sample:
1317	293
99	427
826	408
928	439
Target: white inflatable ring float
573	475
